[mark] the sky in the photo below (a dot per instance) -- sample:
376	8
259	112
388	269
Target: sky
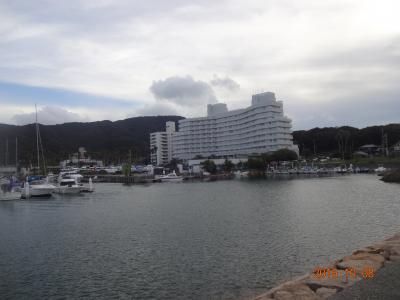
331	62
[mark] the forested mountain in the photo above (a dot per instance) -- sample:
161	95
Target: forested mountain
345	139
111	141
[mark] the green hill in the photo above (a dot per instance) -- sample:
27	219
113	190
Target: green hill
105	140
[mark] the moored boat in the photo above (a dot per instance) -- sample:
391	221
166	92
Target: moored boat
37	186
381	170
67	185
171	177
8	192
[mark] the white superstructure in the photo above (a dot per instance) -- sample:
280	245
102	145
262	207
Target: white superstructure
161	145
259	128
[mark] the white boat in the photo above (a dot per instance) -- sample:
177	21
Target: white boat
241	174
171	177
7	192
67	185
37	188
9	196
381	170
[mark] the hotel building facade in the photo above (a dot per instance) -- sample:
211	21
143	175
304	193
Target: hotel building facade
262	127
259	128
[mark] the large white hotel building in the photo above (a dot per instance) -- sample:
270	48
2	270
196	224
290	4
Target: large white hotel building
259	128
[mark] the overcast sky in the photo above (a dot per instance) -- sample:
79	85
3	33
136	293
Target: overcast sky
332	62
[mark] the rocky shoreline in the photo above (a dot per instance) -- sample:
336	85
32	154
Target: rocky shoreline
393	176
336	277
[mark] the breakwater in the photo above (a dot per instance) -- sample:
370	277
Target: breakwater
325	281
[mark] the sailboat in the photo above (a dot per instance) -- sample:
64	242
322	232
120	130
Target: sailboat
9	185
37	186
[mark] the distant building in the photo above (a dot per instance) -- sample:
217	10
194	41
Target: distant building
79	159
259	128
370	149
161	145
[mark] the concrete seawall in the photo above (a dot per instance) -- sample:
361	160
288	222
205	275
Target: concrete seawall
329	280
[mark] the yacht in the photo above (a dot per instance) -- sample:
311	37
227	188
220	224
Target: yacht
37	186
171	177
67	185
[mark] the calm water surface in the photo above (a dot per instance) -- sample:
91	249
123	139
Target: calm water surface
199	240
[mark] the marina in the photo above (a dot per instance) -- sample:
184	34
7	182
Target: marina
193	240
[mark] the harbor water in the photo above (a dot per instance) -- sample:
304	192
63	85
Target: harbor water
192	240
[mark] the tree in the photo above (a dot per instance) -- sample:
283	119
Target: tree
228	166
209	166
284	155
126	169
256	163
173	164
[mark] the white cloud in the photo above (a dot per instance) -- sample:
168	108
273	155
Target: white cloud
184	91
156	109
49	115
305	51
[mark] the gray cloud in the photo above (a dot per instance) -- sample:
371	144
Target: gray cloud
157	109
226	82
115	48
49	115
364	109
184	91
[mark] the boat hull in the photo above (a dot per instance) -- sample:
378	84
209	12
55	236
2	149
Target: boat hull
171	179
68	190
38	192
10	196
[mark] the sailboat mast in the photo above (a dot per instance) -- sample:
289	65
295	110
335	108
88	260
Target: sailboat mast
6	152
16	154
37	140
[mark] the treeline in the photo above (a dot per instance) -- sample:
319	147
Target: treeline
343	141
112	141
105	140
258	162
